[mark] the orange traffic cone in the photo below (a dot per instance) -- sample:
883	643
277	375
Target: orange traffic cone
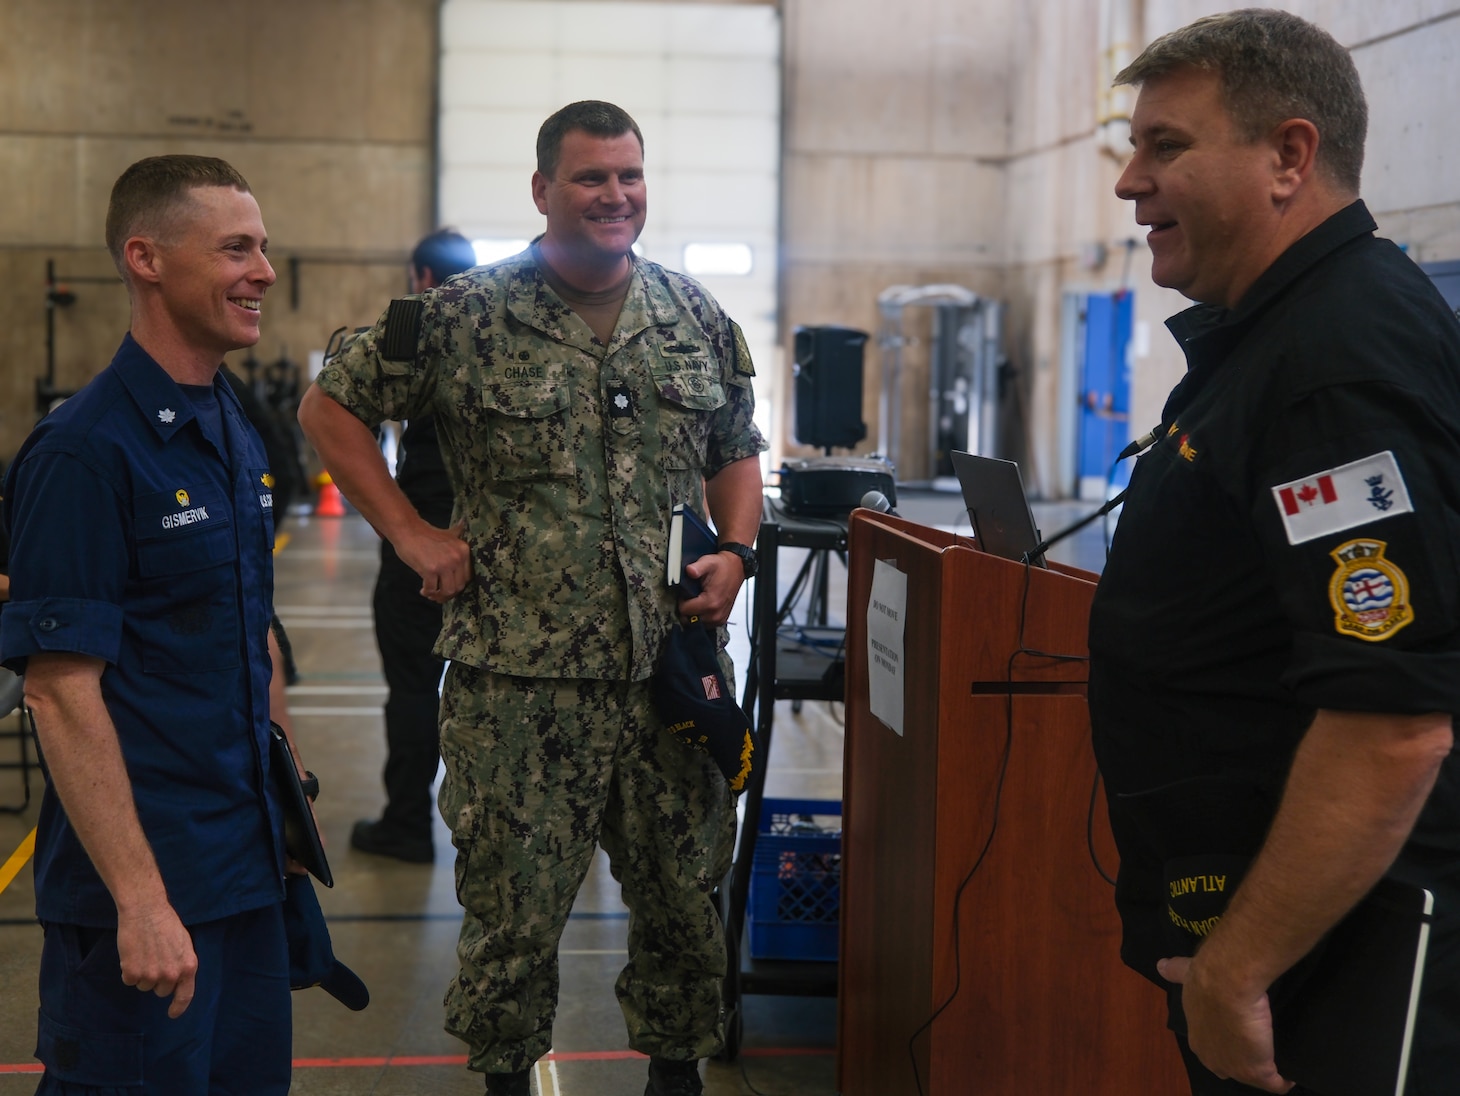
331	503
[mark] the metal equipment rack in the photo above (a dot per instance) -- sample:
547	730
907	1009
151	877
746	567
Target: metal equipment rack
781	668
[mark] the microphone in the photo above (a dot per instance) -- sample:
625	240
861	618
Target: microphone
1037	552
876	500
1142	443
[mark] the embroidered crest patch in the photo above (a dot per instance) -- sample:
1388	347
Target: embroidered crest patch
1369	594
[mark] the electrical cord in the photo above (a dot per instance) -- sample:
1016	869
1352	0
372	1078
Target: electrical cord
1090	829
746	1078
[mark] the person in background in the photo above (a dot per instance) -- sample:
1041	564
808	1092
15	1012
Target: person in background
141	524
1275	638
580	392
407	624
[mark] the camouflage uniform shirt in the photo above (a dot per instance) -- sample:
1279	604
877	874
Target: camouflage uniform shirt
566	456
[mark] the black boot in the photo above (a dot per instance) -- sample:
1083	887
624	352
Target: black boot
379	838
668	1078
510	1084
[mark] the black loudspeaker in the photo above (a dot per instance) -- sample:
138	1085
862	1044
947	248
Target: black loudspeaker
828	372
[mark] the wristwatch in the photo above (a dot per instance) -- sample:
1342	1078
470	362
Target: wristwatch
748	559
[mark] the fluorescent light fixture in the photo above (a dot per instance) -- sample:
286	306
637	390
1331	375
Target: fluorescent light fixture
717	259
489	251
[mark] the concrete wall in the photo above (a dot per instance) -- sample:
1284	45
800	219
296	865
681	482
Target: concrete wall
325	106
958	141
1406	53
896	133
931	141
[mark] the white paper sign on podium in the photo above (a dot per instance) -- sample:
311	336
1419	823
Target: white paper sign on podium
886	672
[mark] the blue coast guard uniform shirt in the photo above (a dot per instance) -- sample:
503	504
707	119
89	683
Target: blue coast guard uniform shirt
142	538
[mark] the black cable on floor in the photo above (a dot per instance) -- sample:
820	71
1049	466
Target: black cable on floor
746	1078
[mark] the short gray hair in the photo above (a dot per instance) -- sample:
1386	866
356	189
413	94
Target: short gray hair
1273	66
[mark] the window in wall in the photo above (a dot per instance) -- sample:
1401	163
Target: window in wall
490	250
701	259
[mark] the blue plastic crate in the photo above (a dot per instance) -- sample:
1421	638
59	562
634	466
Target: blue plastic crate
795	880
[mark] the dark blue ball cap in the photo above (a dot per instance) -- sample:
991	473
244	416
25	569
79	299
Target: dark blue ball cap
697	707
312	959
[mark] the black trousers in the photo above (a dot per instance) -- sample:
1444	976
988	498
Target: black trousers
406	628
1206	1083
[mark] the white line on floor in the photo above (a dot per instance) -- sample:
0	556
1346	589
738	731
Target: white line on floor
333	553
335	690
298	622
806	772
547	1078
323	610
593	951
321	710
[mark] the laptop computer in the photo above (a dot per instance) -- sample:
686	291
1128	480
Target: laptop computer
993	492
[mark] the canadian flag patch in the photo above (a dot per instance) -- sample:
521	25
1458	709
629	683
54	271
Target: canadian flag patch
1342	498
712	687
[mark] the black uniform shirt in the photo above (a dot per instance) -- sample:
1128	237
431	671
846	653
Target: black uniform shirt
421	472
1289	544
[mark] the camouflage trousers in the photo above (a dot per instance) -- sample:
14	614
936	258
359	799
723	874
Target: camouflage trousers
540	771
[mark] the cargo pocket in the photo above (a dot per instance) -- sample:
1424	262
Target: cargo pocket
527	431
105	1061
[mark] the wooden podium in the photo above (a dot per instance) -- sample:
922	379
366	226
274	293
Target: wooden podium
988	790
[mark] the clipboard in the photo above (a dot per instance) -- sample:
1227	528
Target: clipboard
301	834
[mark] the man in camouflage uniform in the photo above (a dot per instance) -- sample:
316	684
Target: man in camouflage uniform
580	393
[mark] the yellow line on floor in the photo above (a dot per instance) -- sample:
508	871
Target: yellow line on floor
281	541
17	860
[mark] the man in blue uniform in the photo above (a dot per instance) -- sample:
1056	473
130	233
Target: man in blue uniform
1275	640
407	624
141	521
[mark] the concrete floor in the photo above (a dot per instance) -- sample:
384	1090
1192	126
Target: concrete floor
395	924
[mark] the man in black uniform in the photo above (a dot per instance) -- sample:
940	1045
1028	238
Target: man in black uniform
407	624
1275	641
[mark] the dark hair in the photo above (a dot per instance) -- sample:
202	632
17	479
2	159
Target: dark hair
1273	66
149	193
591	116
444	252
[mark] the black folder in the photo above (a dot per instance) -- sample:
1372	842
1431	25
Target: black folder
689	539
1344	1018
301	834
